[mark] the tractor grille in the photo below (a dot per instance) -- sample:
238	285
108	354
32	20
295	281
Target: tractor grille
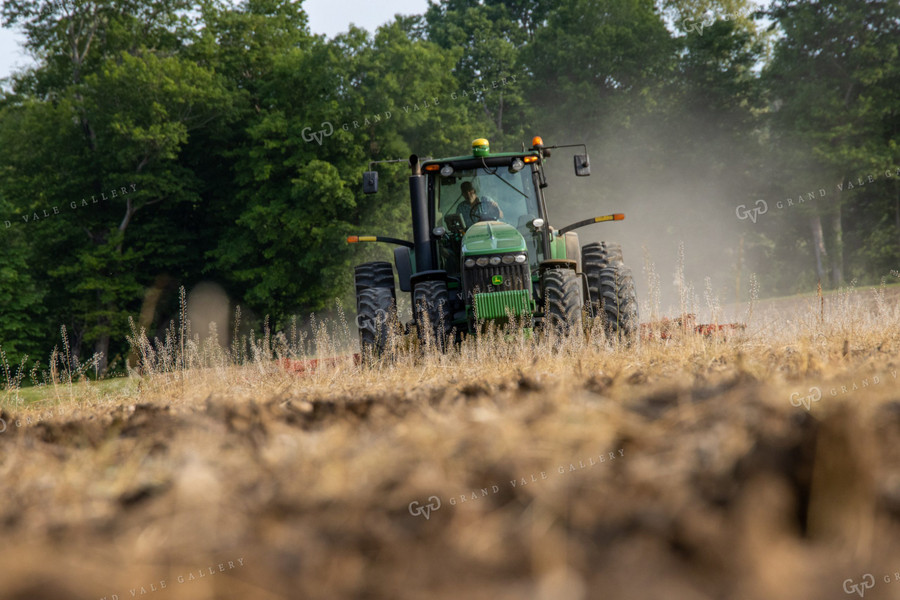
479	280
498	305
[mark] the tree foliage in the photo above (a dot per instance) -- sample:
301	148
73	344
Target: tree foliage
234	138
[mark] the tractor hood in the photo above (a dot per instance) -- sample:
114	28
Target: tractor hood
492	237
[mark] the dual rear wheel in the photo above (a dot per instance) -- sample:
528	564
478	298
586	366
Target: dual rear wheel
611	289
376	305
613	301
376	309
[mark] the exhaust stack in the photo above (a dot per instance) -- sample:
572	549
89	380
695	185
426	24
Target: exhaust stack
418	201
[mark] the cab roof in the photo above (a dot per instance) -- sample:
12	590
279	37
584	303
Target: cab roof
491	160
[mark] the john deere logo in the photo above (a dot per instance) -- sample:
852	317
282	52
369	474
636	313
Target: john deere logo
497	279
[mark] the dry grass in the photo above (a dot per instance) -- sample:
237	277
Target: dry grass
719	487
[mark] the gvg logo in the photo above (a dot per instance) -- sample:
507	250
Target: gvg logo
814	395
761	208
318	136
30	420
366	322
867	583
425	511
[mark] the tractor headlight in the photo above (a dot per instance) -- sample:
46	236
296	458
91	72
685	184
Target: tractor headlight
482	262
521	258
495	260
470	262
508	259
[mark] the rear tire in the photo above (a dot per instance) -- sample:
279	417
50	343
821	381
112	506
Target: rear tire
431	302
378	274
375	306
562	300
599	255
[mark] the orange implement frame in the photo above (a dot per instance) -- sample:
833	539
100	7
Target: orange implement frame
305	367
664	329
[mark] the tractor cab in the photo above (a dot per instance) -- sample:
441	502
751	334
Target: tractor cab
474	202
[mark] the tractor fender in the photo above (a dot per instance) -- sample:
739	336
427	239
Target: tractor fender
566	246
573	249
404	267
557	263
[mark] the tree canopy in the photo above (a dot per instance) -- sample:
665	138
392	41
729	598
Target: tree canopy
160	143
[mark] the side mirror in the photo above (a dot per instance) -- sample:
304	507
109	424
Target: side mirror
370	182
582	165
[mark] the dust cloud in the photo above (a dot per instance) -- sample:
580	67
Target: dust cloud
691	203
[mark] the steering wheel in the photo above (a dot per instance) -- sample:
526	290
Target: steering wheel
455	223
484	211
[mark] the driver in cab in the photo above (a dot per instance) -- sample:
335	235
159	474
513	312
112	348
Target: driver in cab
474	209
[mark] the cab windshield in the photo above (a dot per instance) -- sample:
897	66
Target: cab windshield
499	195
485	194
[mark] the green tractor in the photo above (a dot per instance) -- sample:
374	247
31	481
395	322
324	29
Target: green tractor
483	251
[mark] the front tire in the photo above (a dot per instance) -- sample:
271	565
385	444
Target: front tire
562	300
431	302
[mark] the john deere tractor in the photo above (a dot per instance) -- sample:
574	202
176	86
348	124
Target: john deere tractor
483	250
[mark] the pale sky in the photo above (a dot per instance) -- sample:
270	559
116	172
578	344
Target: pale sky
325	16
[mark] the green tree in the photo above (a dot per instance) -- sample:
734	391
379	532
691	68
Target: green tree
299	197
599	62
488	38
21	298
833	81
122	104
